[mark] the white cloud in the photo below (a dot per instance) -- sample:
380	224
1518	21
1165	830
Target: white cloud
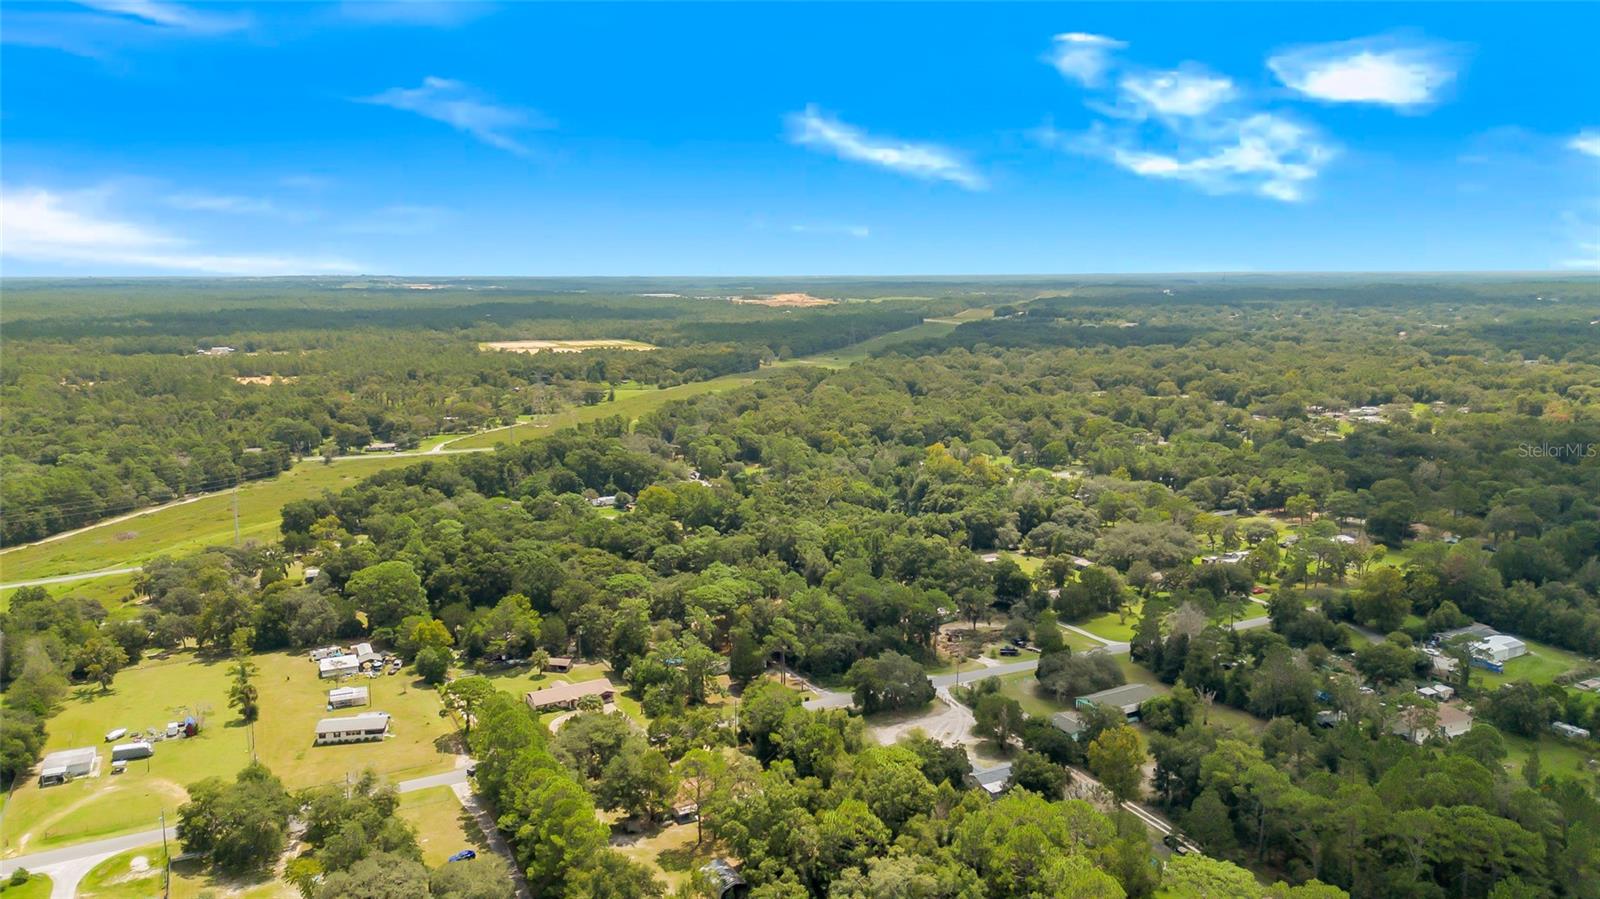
1586	141
175	16
1083	57
459	106
813	128
1189	91
1381	70
857	231
197	202
1262	154
39	225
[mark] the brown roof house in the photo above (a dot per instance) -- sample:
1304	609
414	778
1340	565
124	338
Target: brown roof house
1450	722
566	696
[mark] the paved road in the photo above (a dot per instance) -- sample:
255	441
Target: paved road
64	578
68	865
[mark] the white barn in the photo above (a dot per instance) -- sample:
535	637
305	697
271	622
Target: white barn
63	765
1499	648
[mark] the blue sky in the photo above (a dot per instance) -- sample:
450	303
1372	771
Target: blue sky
147	137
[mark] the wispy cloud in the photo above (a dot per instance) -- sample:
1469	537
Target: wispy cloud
237	205
175	16
1189	91
1261	154
1196	127
930	162
1586	142
460	106
1389	71
40	225
1083	57
857	231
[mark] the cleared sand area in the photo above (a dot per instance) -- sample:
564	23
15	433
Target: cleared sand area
563	346
785	299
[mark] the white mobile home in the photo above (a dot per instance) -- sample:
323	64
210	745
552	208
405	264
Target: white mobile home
353	729
345	697
124	752
337	666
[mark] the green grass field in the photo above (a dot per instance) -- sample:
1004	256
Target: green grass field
188	527
157	691
37	887
134	874
1556	756
927	330
443	826
110	591
1540	666
1113	626
1023	688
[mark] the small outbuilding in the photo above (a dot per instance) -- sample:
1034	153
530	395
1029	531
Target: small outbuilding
726	880
559	664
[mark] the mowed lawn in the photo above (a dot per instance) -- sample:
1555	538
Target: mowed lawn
158	691
186	528
110	591
1540	666
1112	625
443	826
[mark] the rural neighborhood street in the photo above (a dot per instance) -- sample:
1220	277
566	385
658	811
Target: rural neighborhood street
68	865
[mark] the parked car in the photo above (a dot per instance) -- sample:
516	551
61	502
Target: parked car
1177	845
465	855
1010	651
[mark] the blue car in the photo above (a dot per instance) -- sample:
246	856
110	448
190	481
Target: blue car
465	855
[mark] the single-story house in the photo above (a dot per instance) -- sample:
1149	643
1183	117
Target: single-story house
1126	698
1442	664
364	653
345	697
1570	731
311	573
1345	539
326	652
1592	684
1499	648
604	502
65	764
338	666
1069	723
559	664
993	781
378	446
352	729
728	883
566	696
1450	722
126	752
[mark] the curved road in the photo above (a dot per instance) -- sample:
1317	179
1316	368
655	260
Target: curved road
68	865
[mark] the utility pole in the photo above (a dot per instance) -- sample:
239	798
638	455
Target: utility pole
166	889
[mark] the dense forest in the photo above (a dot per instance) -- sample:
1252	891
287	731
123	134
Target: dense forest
107	412
1366	468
